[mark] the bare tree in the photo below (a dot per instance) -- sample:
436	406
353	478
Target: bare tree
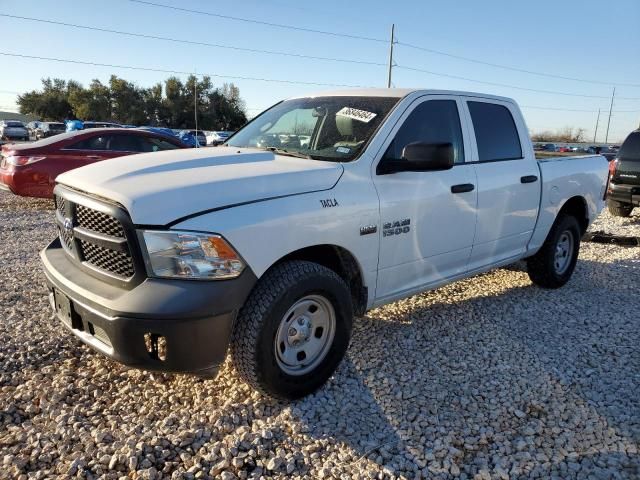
564	135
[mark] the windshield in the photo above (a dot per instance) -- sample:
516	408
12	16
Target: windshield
323	128
13	124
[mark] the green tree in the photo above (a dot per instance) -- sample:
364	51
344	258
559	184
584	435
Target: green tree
153	105
51	103
127	105
93	103
172	104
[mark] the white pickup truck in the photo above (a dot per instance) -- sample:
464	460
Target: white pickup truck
319	209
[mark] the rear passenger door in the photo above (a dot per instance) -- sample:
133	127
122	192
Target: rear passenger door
509	184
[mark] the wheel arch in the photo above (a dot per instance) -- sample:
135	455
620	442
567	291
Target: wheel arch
342	262
577	207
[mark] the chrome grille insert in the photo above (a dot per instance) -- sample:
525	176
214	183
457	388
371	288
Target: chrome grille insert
60	205
98	222
93	237
106	259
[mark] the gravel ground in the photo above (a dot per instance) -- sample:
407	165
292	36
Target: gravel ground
489	377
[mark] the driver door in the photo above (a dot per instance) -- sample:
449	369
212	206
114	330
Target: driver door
428	218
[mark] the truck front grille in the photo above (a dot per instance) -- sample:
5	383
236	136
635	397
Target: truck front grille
66	237
60	204
106	259
98	222
94	237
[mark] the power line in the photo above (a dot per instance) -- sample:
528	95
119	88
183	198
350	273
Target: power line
498	84
515	69
192	42
341	60
177	72
557	109
261	22
381	40
574	110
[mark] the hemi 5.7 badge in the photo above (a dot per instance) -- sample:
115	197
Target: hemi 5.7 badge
396	227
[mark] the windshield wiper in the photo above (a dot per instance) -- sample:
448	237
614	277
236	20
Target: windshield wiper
282	151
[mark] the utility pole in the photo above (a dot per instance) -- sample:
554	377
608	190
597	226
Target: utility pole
606	138
393	27
195	105
596	132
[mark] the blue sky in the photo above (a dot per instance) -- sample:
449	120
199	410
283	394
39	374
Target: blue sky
588	39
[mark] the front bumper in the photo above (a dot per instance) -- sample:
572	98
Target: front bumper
624	193
180	326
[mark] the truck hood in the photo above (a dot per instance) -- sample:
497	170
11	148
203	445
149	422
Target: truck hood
159	188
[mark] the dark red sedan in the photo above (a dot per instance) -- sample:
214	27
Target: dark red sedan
30	169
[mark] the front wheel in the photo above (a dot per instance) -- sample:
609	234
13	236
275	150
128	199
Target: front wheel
293	331
555	262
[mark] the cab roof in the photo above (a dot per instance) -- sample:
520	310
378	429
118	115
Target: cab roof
398	93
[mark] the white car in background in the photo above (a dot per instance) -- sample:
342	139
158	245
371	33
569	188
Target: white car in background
13	129
215	138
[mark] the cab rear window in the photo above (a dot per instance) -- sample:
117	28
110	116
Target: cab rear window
496	132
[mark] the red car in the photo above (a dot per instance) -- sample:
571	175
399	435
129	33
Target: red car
30	169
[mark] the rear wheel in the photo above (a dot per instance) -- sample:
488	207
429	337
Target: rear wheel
619	209
293	331
555	262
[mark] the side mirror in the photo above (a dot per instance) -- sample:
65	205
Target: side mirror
420	157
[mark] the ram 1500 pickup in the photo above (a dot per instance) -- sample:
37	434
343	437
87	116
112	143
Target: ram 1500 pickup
319	209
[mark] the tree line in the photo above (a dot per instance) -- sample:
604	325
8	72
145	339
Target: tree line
564	135
166	104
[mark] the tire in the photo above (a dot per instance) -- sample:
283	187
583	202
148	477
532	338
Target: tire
549	268
259	351
619	209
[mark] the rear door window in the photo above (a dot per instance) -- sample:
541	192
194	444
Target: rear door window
92	143
125	143
496	132
158	144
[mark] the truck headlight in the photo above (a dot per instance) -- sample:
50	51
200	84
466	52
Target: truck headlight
179	254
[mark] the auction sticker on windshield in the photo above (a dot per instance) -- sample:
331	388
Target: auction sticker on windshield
360	115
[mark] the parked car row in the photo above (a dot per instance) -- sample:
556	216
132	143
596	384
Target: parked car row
36	130
45	129
591	149
30	169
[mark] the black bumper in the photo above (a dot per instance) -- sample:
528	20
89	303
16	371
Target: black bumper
167	325
624	193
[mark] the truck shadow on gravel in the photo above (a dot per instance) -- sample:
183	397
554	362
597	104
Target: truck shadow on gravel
485	371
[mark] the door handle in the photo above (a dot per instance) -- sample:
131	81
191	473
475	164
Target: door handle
94	157
462	188
529	179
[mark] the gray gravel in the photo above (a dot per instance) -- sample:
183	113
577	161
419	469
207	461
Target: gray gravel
486	378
